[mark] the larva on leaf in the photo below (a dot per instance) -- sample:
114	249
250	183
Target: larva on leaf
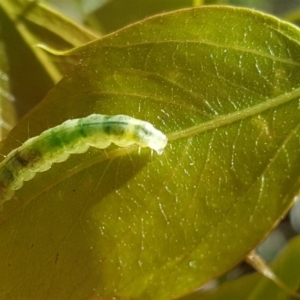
73	136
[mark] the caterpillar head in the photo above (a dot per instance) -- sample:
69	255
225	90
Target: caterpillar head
148	136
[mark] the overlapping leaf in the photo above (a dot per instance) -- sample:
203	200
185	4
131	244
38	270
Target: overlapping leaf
255	286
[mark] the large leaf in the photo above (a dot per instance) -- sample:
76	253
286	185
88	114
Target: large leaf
223	83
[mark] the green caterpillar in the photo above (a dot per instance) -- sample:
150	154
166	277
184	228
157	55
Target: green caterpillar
73	136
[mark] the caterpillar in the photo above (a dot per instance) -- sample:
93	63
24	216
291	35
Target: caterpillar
56	144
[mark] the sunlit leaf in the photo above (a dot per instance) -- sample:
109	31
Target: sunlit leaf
256	286
223	83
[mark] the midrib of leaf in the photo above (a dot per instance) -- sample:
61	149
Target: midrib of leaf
235	116
188	132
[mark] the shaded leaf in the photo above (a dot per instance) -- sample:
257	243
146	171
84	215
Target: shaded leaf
116	14
40	14
23	81
130	224
61	26
7	112
77	9
29	70
32	20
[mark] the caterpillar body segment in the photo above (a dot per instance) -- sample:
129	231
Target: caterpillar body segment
56	144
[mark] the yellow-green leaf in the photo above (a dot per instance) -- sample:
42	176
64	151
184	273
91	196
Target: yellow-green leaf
116	14
7	111
256	286
38	23
223	83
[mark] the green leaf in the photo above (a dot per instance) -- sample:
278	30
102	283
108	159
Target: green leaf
23	82
223	83
116	14
7	111
25	13
32	20
29	71
256	286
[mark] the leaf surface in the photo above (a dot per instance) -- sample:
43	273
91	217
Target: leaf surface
117	14
7	111
128	223
256	286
